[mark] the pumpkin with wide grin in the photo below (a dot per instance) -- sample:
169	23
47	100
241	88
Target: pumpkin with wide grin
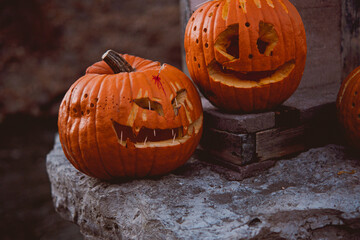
130	117
246	55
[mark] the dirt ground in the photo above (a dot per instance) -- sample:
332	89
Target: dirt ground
45	45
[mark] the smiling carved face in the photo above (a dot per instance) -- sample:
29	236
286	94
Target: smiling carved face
144	122
246	55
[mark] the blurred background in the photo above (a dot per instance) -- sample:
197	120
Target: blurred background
45	45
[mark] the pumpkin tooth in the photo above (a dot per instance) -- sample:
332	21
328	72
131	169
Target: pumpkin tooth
136	131
174	138
145	140
154	133
185	130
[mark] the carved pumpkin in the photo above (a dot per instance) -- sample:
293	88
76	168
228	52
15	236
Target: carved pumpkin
135	119
348	106
246	55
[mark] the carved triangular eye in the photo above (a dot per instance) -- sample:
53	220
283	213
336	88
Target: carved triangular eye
179	100
227	42
268	38
148	104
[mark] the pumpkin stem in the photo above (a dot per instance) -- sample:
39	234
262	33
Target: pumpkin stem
116	62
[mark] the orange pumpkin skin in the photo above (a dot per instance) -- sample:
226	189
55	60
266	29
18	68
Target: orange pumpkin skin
107	133
246	55
348	107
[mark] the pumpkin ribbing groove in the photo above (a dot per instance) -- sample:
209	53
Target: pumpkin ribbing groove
212	36
262	23
103	80
250	45
117	80
281	32
189	55
66	137
131	79
116	151
294	40
82	158
269	62
78	123
201	43
70	140
122	91
284	38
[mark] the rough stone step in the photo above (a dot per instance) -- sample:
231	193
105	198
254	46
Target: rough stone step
312	196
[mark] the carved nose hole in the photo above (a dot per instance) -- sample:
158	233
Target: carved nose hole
268	38
227	43
179	100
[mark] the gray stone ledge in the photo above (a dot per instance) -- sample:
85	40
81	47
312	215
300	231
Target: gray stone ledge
303	197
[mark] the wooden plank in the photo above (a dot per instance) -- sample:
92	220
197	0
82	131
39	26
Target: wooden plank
350	36
276	143
238	149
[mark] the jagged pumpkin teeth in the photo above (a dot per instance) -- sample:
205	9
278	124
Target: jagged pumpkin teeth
137	133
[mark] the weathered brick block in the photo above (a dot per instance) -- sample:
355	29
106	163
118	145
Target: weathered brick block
236	123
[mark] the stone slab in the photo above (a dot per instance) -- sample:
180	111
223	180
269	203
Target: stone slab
313	196
312	98
236	123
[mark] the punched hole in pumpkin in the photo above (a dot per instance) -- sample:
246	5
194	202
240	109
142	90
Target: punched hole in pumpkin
148	104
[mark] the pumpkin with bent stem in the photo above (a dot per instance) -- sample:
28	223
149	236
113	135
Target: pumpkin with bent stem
130	117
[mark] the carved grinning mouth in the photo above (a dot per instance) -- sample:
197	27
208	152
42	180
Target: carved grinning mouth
146	137
249	79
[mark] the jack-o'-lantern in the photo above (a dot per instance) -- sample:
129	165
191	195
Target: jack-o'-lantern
348	107
130	117
246	55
